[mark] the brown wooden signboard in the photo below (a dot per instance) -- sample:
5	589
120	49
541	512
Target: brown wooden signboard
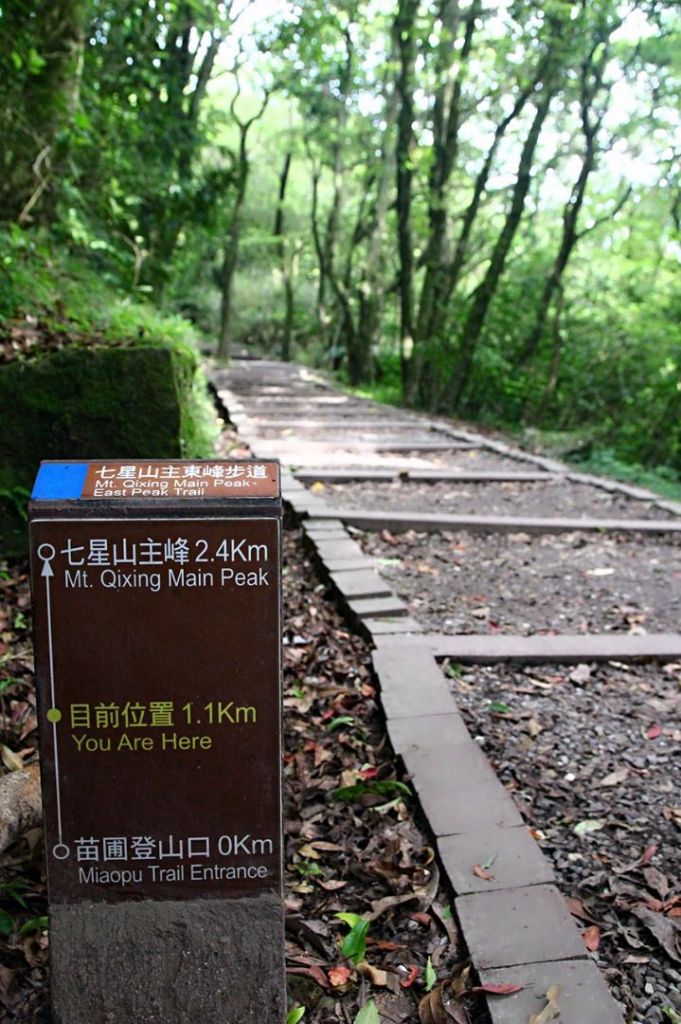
157	626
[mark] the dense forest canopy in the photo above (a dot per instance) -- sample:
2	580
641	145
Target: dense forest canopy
474	205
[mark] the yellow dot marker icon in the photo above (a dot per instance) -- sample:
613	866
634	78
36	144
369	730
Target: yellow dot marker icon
54	715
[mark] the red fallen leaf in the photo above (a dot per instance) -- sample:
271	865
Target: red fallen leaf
503	989
657	906
384	944
314	972
414	972
421	917
592	937
481	872
368	773
339	976
654	731
647	855
674	912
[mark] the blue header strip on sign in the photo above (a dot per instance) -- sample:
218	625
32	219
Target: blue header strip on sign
60	480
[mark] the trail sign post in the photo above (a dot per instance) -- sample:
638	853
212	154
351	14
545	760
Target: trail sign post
156	589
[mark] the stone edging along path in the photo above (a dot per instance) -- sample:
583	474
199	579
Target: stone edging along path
517	927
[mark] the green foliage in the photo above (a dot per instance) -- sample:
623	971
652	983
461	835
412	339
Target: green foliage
354	944
120	379
662	480
12	892
120	164
295	1015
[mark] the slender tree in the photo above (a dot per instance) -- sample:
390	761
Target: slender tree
230	258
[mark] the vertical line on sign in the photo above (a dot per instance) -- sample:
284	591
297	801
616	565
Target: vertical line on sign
55	743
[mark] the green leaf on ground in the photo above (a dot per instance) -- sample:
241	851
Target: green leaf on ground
430	976
354	944
294	1015
6	923
382	788
368	1014
36	924
341	720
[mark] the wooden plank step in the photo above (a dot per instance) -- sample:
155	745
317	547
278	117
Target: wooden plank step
427	476
345	476
431	522
426	446
567	648
434	476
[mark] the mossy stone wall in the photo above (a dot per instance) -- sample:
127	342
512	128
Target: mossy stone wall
91	403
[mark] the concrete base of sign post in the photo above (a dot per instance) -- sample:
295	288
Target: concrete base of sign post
169	962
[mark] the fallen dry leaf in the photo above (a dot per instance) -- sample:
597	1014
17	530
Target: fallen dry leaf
534	727
375	975
502	989
480	872
592	937
664	930
580	675
551	1010
615	778
434	1010
11	760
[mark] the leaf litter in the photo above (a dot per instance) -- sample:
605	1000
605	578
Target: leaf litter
602	800
346	803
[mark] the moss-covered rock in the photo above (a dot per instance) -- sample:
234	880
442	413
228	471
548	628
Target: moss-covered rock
136	401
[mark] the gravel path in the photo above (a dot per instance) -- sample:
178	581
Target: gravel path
591	755
348	436
514	583
553	498
479	460
471	460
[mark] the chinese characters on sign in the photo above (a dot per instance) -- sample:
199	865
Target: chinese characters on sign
180	480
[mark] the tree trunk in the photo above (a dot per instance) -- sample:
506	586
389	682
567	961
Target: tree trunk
592	82
50	101
230	259
328	243
446	123
371	285
404	28
484	293
453	271
284	260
